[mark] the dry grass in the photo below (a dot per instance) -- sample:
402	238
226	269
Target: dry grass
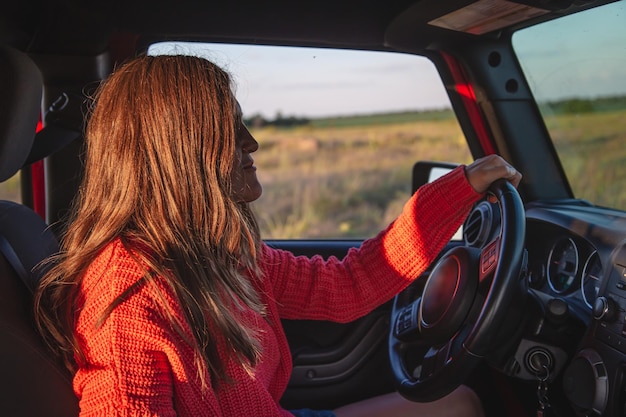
344	181
10	189
593	153
352	181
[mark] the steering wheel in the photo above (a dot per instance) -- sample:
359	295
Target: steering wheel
461	309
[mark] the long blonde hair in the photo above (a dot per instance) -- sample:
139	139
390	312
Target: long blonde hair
160	153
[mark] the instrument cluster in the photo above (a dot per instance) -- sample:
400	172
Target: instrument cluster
563	261
565	265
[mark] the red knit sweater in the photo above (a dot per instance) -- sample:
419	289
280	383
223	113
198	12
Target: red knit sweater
137	365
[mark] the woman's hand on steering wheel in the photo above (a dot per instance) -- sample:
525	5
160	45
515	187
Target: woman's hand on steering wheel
485	171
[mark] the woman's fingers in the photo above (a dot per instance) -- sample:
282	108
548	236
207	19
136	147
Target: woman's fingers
484	171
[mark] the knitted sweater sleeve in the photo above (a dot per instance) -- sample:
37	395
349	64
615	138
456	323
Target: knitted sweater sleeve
343	290
135	362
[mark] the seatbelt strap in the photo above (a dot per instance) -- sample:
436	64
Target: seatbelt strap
49	140
15	262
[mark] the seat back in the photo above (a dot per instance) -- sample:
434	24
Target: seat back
32	383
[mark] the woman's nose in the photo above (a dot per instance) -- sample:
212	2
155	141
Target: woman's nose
249	143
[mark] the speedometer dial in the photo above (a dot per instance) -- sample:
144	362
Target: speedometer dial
562	265
592	277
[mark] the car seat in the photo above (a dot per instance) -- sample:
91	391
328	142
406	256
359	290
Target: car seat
32	382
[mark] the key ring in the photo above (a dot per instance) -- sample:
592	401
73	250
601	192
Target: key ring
542	389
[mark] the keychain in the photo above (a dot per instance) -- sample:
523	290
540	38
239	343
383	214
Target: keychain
542	393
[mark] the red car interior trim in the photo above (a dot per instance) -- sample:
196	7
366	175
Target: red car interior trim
463	87
38	184
466	92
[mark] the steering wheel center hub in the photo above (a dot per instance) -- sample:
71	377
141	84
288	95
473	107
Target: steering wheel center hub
449	294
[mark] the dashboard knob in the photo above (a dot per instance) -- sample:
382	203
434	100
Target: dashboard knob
558	311
605	309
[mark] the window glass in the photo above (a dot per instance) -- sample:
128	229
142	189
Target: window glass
339	132
11	190
575	68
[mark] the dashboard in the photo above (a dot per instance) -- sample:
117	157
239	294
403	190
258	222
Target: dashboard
573	324
573	253
564	264
577	265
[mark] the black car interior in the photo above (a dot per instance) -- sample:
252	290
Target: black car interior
32	382
53	54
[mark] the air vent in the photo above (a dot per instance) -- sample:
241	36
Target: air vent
478	225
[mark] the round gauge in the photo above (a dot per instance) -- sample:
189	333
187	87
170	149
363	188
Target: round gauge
592	277
562	265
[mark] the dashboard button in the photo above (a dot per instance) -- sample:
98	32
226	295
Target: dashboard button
605	309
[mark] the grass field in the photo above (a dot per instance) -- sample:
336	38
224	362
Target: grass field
350	176
592	147
10	189
345	179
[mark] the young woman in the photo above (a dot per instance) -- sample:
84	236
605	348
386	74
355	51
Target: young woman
165	301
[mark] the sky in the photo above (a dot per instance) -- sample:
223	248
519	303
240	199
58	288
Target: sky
313	82
587	55
307	82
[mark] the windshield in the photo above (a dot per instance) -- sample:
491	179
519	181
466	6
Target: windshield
575	68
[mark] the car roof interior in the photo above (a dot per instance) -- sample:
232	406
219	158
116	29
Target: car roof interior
90	27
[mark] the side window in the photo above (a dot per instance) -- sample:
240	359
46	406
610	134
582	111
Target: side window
10	189
339	132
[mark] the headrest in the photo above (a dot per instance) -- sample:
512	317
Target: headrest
21	87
